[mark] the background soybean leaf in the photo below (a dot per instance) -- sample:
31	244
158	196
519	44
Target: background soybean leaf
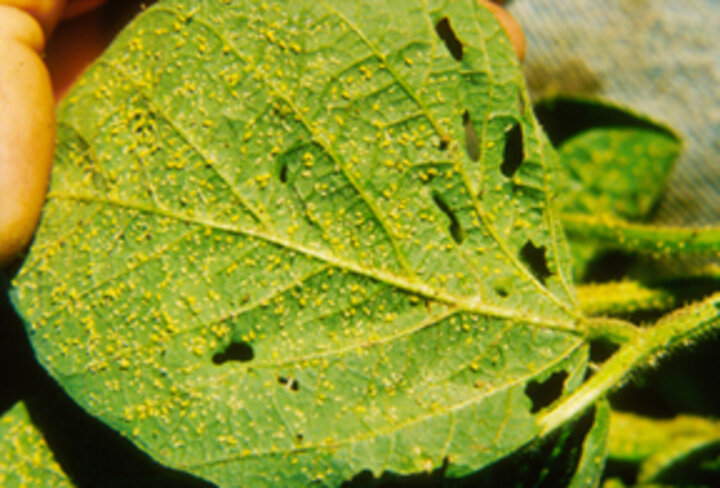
613	162
273	256
664	67
25	459
590	467
683	449
617	164
552	462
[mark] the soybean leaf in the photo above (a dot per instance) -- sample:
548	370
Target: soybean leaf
614	164
594	451
679	450
25	459
665	67
288	242
617	165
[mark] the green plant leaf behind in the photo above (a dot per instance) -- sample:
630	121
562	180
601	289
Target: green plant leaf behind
288	242
25	459
683	449
594	450
613	162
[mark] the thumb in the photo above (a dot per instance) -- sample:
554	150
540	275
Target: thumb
510	25
27	126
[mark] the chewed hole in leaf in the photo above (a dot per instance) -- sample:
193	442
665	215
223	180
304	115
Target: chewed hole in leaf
236	351
472	143
514	153
544	393
455	228
447	34
536	260
501	291
282	175
290	383
502	288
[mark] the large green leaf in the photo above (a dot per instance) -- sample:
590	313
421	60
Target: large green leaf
25	459
288	242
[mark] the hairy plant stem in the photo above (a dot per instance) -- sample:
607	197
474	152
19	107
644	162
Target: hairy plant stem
622	297
681	327
614	330
656	240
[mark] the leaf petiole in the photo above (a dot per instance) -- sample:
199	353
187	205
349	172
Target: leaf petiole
629	236
622	297
617	331
679	328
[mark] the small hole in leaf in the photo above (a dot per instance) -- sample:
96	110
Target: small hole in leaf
514	153
283	173
501	290
472	143
236	351
544	393
299	437
444	143
535	258
290	383
447	34
456	230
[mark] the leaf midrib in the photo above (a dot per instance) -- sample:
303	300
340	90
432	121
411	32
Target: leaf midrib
463	303
569	308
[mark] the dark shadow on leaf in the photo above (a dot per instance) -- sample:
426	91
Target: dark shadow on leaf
565	117
548	464
625	471
18	370
684	383
472	141
601	350
699	468
608	266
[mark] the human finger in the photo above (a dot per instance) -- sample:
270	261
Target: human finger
510	25
27	126
45	12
